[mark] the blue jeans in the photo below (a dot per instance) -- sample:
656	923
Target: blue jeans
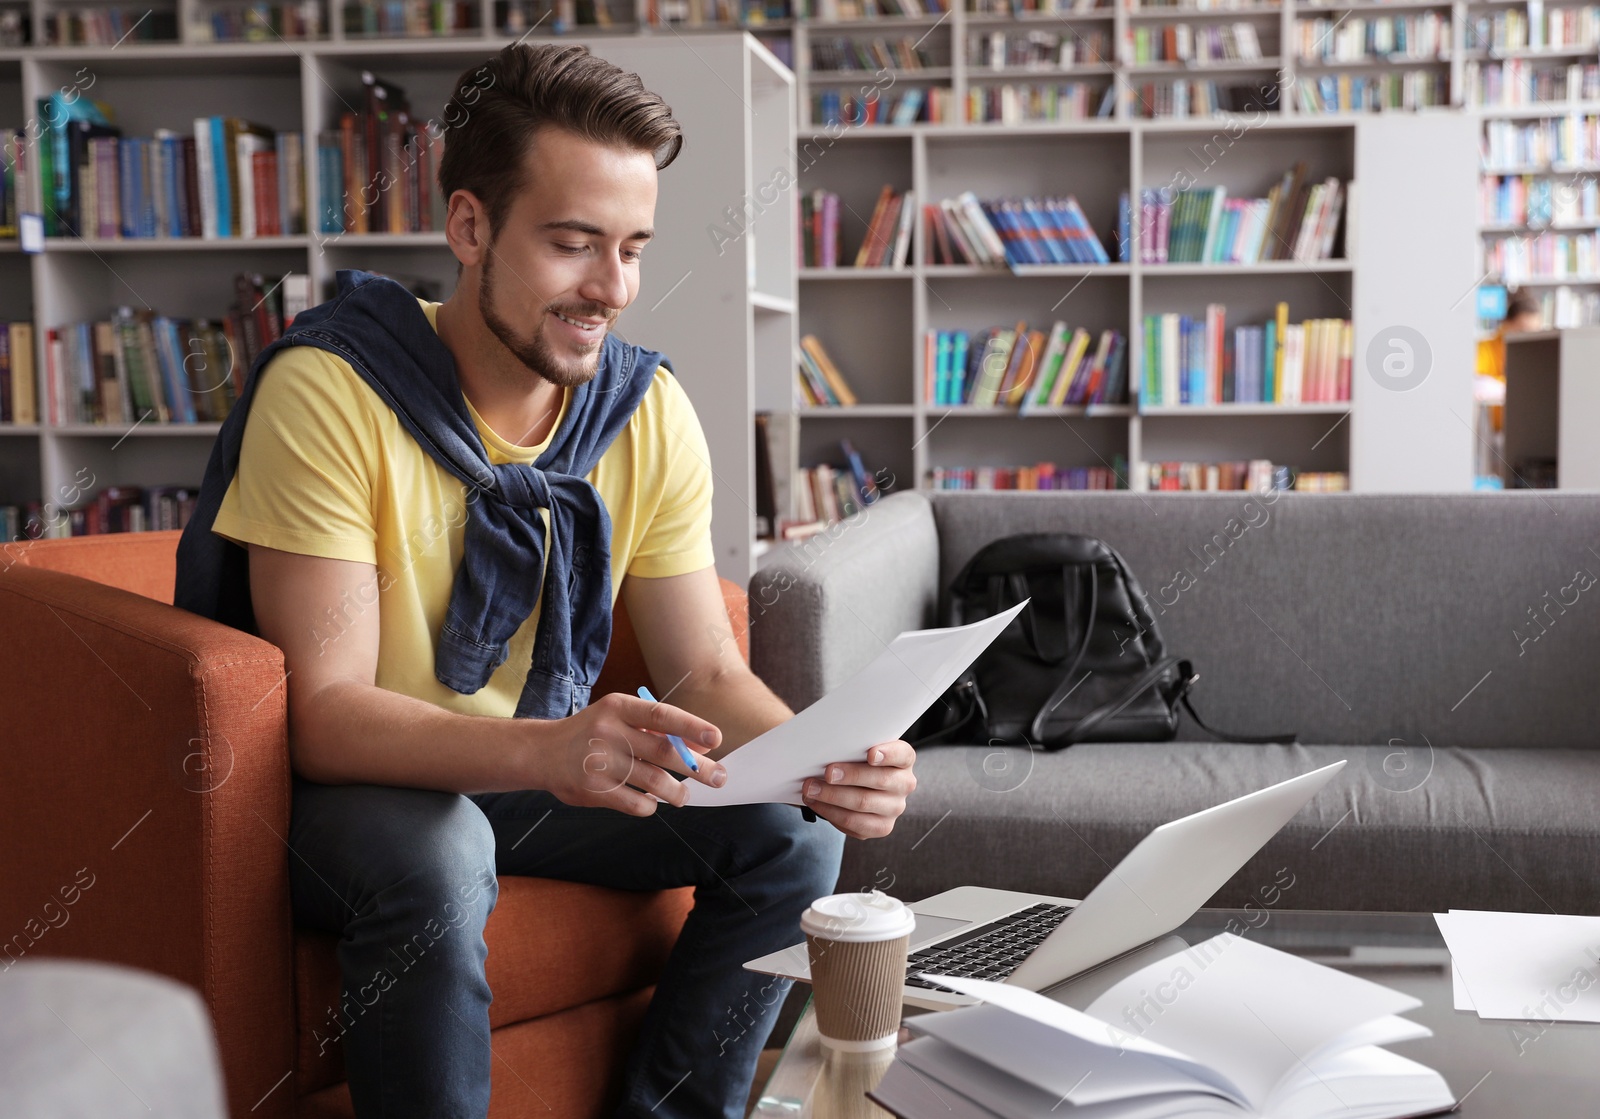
406	879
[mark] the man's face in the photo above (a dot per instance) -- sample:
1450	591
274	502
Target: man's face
565	259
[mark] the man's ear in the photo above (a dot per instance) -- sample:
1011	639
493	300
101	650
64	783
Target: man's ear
466	228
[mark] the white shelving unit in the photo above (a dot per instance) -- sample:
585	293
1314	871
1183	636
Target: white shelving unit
873	321
714	309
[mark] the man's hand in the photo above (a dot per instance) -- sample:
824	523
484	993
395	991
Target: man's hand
863	800
614	752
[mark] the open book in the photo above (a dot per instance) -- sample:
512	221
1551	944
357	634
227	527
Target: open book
1227	1027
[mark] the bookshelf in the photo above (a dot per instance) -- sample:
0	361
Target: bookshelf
873	321
738	308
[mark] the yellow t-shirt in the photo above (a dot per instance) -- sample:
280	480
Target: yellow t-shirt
327	469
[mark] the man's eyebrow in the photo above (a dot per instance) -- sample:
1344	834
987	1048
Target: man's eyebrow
576	226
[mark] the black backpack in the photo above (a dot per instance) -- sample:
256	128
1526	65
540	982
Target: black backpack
1082	662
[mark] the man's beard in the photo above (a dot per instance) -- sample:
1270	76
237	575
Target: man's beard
537	355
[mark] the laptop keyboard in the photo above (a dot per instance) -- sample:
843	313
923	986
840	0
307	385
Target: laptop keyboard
992	951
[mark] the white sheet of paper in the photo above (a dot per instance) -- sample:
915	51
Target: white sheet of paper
1526	966
1461	998
877	704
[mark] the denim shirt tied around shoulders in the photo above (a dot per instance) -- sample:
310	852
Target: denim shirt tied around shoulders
378	326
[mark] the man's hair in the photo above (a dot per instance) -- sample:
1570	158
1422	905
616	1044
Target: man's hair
499	107
1521	303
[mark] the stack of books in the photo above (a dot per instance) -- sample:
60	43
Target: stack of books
1297	220
819	229
1541	143
870	106
1534	29
378	172
1023	368
1011	231
1030	102
1539	201
142	366
820	382
886	244
1199	361
18	404
1544	256
1375	39
1182	42
1366	93
1520	81
1226	1027
1036	49
231	178
835	11
1190	97
256	22
1044	476
827	493
1034	7
104	27
842	54
112	509
1255	474
416	19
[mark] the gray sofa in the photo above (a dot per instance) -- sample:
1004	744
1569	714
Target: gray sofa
1447	646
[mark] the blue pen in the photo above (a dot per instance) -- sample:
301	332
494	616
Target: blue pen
683	751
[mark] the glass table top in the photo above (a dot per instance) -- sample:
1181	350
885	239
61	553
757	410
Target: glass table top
1497	1069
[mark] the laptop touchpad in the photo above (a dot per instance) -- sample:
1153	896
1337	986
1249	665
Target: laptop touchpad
930	928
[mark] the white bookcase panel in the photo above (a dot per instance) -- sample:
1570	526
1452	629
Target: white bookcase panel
713	307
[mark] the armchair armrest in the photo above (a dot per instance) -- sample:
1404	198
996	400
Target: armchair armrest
821	608
144	806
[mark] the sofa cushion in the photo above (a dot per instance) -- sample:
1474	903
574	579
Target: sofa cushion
1400	828
542	937
1471	618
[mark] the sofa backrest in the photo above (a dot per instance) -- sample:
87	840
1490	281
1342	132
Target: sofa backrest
1467	619
146	563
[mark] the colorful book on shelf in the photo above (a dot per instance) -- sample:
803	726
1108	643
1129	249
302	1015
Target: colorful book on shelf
829	492
1190	361
139	365
378	171
820	377
1011	231
1029	369
911	105
18	399
887	241
1041	476
1297	220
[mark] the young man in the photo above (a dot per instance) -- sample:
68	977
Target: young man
407	472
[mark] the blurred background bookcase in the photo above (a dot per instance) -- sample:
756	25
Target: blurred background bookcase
873	321
712	305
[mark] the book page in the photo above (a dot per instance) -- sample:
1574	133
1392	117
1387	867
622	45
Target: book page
1251	1012
1362	1083
1063	1050
947	1075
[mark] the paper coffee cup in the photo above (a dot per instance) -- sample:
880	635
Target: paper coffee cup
857	946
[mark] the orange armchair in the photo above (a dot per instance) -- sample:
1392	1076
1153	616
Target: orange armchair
144	807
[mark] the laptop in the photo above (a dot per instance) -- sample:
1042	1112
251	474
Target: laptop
1039	942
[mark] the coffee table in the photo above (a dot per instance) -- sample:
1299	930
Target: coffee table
1497	1069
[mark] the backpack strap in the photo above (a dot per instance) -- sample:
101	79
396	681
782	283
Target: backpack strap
1190	676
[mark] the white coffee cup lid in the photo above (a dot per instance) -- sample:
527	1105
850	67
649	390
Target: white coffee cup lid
858	917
